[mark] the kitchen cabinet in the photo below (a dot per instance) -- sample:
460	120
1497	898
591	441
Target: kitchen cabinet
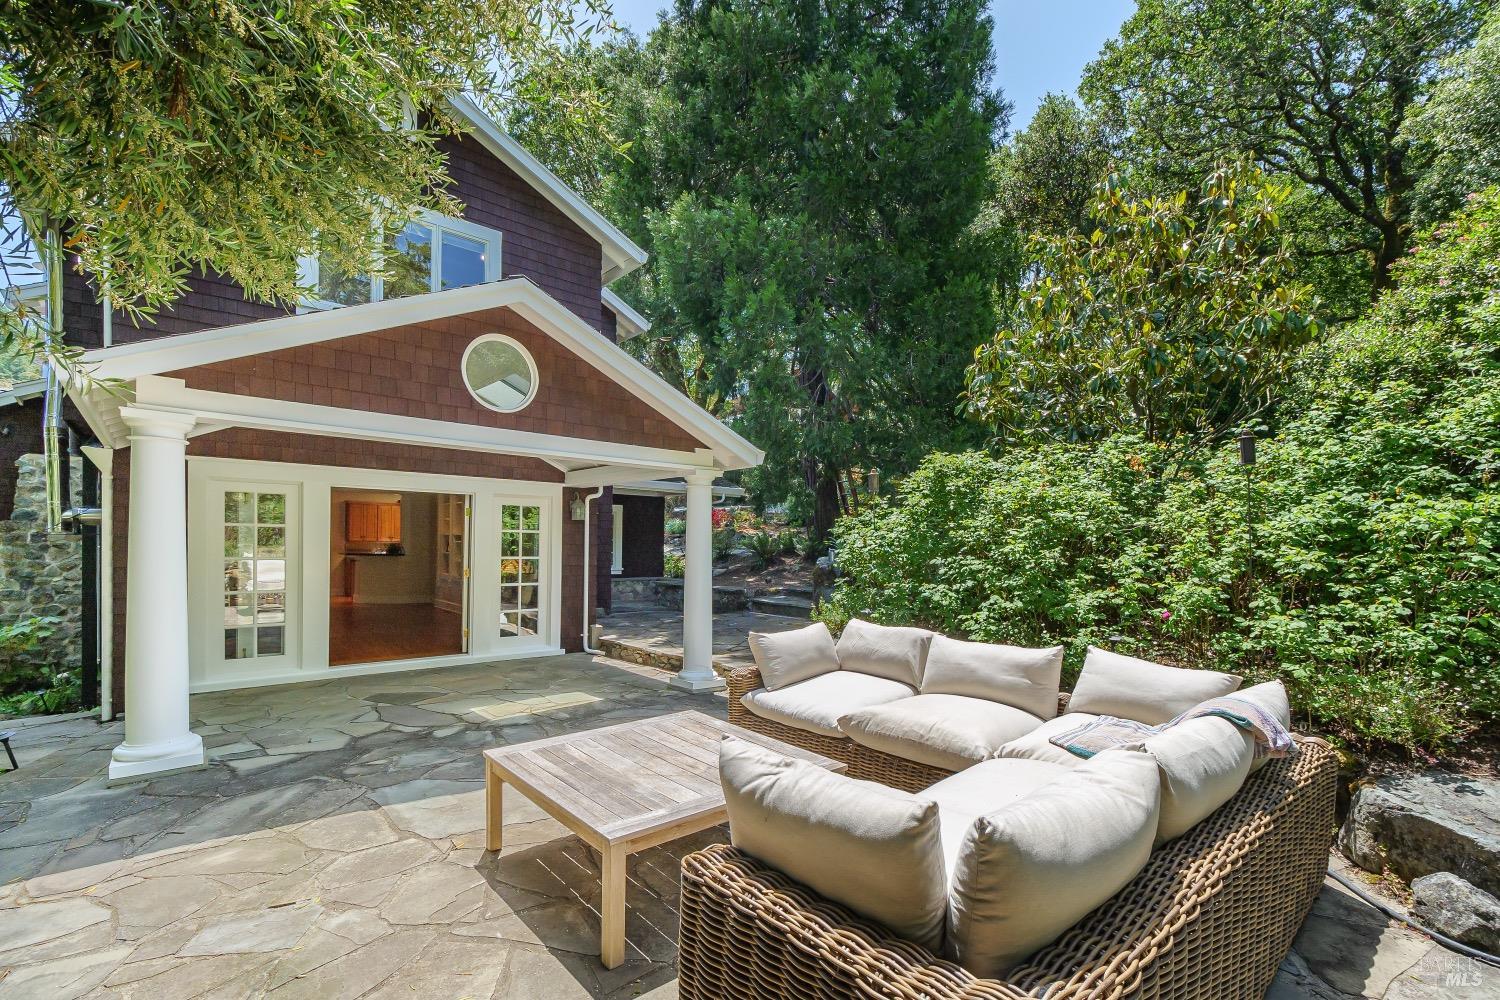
370	523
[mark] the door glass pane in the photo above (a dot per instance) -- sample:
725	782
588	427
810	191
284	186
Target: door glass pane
463	261
410	267
520	576
255	571
239	542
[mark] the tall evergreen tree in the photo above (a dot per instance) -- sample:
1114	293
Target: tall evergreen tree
812	173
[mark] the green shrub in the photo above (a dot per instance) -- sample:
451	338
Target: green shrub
676	527
724	539
672	565
1373	585
765	546
20	671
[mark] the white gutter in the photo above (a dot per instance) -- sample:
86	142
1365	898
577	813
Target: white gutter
589	597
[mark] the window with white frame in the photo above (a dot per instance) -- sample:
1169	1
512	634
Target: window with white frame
429	254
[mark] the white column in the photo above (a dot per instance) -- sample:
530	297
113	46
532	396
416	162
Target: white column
157	737
698	589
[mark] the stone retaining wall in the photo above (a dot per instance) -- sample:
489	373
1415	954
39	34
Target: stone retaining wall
41	574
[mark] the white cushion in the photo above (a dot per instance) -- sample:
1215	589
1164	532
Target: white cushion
816	704
1030	870
1027	679
1203	762
964	797
1270	696
788	657
1038	745
884	650
874	849
944	730
1128	688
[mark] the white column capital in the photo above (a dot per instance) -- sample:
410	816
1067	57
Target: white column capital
703	477
169	425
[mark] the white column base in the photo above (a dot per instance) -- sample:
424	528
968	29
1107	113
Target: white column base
128	763
697	682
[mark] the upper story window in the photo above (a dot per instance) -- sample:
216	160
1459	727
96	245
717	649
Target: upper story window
430	254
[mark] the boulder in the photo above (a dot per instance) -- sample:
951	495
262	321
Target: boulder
1425	822
1449	905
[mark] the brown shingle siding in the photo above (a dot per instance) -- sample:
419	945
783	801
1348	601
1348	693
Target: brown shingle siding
414	371
537	241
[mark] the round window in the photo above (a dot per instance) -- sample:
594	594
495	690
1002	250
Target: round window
500	373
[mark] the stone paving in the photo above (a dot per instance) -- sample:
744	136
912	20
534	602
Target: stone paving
333	848
650	634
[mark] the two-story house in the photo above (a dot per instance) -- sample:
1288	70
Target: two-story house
397	474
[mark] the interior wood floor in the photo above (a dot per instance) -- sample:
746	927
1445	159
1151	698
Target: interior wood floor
368	633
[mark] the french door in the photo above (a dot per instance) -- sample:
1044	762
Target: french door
247	595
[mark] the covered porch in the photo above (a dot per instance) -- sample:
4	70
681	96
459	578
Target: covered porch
229	448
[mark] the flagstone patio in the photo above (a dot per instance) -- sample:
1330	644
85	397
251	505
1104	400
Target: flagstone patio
333	848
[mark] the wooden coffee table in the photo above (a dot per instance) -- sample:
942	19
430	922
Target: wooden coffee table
624	789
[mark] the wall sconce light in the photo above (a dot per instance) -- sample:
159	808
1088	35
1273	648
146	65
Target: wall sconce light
579	509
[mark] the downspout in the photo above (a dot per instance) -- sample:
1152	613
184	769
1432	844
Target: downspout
52	400
588	592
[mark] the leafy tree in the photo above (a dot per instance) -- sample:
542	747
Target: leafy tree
235	135
1174	320
1457	127
1317	89
811	175
1048	172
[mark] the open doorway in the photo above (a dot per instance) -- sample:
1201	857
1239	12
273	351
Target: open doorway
397	582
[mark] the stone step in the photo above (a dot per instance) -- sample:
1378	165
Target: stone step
782	604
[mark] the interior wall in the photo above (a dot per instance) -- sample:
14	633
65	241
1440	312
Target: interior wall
408	579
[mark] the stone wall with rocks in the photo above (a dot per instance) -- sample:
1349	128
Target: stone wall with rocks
41	574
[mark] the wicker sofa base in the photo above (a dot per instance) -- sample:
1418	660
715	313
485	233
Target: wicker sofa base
1211	916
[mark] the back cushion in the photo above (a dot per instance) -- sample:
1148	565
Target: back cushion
1027	679
884	650
1203	763
1272	697
1030	870
874	849
788	657
1128	688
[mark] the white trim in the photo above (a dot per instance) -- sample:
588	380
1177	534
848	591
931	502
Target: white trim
673	487
172	396
379	667
628	322
617	531
500	338
151	357
621	255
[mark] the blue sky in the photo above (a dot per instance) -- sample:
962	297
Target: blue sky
1041	46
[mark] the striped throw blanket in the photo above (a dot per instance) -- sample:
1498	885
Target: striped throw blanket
1090	738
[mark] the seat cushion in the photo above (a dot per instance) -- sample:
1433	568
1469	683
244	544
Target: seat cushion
1272	697
964	797
1030	870
943	730
817	703
1128	688
1023	678
874	849
884	650
788	657
1038	745
1203	762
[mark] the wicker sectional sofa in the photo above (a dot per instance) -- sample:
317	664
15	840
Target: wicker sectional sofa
1211	915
